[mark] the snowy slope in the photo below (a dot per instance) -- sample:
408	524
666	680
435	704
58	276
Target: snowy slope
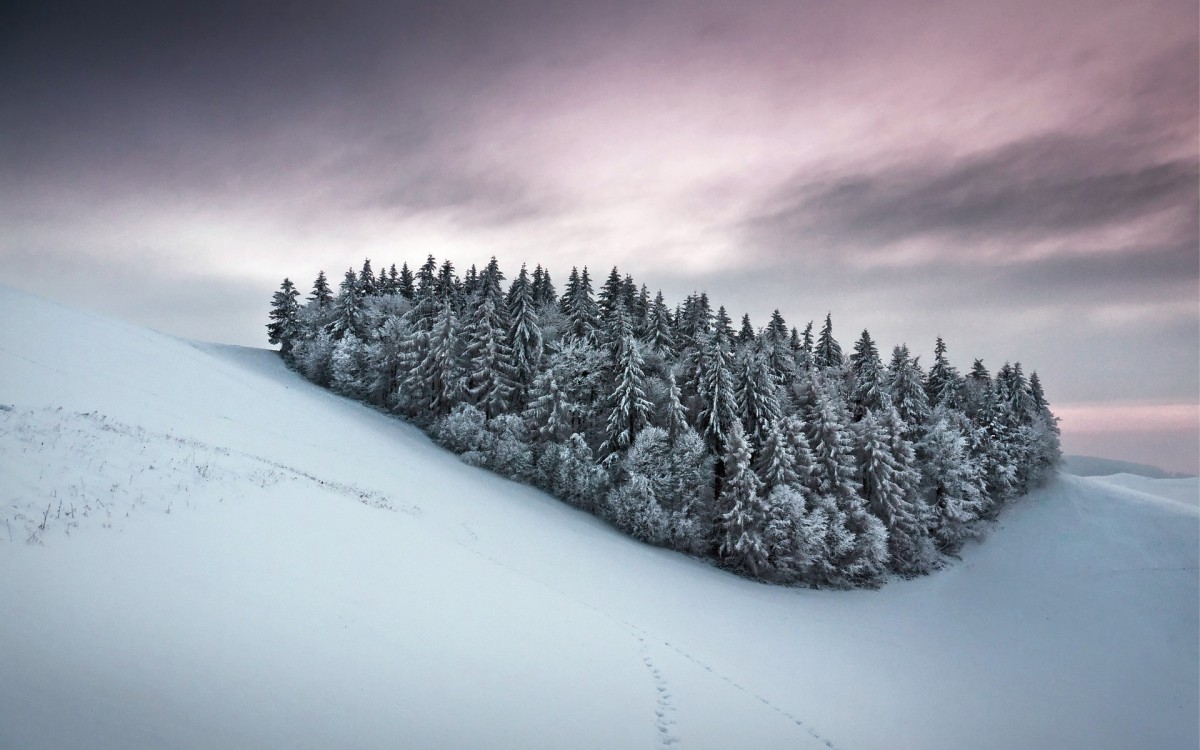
241	559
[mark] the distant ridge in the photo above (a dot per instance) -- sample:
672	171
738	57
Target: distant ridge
1094	466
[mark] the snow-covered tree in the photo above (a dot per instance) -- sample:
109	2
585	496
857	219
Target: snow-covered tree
284	327
952	483
524	335
827	353
628	408
742	523
866	378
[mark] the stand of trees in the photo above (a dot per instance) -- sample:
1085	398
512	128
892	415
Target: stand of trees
770	451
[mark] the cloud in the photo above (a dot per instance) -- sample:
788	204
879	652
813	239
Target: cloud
1049	185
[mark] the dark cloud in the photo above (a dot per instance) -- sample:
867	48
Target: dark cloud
1028	190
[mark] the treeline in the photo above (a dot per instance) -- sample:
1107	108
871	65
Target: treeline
766	449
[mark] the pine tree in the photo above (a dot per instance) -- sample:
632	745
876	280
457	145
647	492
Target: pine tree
543	288
580	309
866	378
742	522
757	396
907	392
610	297
832	447
489	383
405	284
745	334
889	488
943	384
828	353
393	285
715	392
675	420
438	378
321	293
524	335
776	461
367	286
348	309
549	413
659	327
952	483
284	327
628	408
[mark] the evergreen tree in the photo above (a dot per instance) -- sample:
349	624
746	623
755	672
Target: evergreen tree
776	460
549	413
715	392
757	396
866	378
610	297
580	309
952	483
832	447
943	383
348	309
524	335
284	327
659	327
405	283
675	421
321	294
628	408
828	353
489	383
367	286
437	381
741	525
889	488
907	392
745	334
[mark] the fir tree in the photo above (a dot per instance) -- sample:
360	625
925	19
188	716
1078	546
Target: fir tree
952	483
524	335
757	396
745	334
405	284
348	309
659	327
715	392
866	378
489	384
675	420
367	286
828	353
438	378
321	294
776	460
284	327
907	392
943	383
548	414
628	408
580	309
741	525
889	488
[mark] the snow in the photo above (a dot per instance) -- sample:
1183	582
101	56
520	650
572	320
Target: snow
241	559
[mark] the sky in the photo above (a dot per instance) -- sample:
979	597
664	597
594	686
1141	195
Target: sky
1021	178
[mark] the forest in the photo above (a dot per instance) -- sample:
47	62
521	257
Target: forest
768	450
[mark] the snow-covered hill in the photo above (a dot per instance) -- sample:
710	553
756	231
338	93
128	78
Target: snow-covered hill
200	549
1093	466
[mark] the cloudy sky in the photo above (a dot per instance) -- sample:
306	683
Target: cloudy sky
1018	177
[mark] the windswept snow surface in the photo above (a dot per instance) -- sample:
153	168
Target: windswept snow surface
201	550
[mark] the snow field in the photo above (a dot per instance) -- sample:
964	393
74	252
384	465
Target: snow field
326	577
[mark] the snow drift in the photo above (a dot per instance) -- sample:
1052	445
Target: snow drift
202	550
